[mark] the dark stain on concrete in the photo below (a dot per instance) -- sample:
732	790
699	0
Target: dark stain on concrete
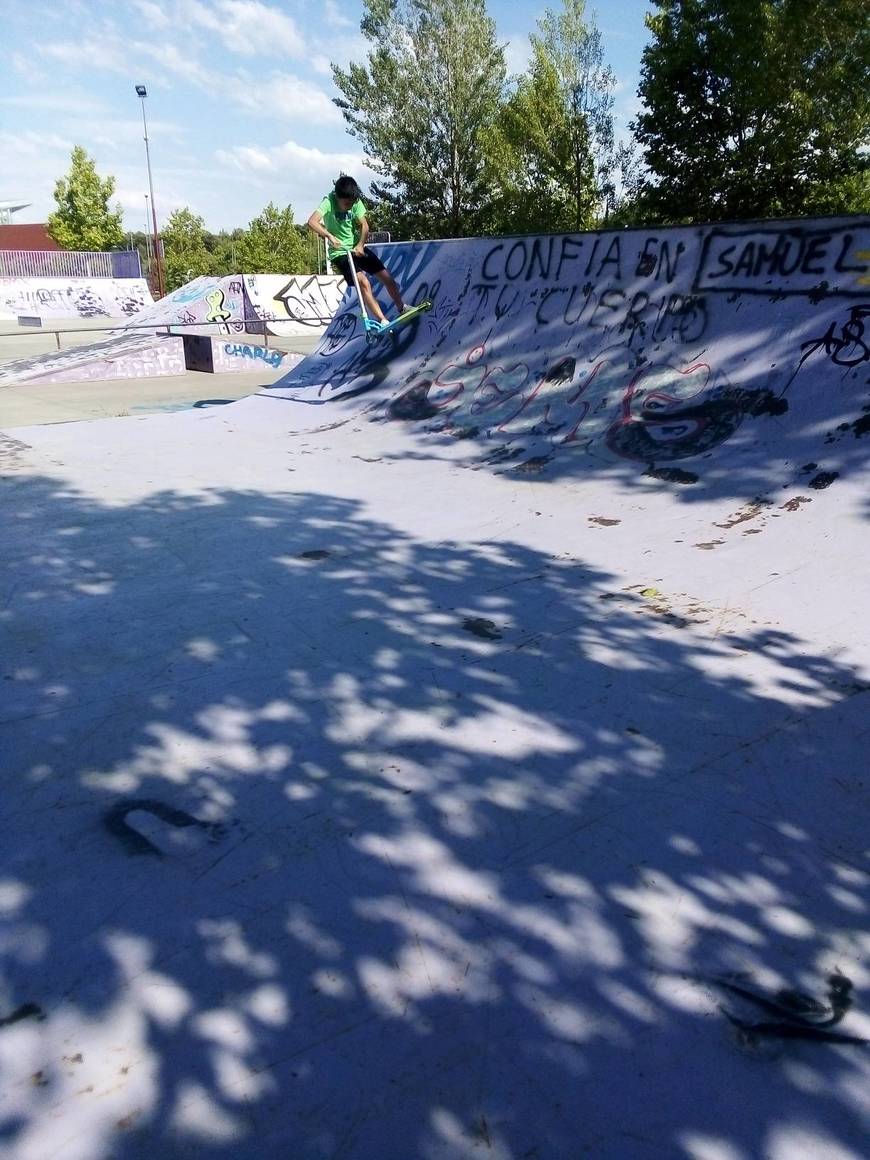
748	512
823	479
671	474
115	821
480	626
765	403
533	466
24	1011
413	403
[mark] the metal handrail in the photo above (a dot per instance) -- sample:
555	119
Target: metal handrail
168	327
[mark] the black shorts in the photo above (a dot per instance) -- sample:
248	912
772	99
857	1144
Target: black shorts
367	261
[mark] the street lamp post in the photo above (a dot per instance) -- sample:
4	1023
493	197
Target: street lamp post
148	250
142	93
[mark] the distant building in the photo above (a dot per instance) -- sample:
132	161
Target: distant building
26	237
15	236
8	208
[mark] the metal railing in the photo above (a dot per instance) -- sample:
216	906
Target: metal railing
70	264
235	329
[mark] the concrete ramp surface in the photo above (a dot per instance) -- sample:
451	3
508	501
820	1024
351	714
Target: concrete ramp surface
632	346
72	297
122	355
459	748
280	304
212	318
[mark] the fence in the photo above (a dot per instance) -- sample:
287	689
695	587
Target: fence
70	264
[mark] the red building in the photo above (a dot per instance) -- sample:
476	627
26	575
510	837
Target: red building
26	237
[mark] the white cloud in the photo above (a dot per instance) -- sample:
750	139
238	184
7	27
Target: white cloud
23	64
341	49
32	144
518	53
246	157
282	96
292	158
69	103
180	63
152	13
247	27
104	52
290	172
112	131
335	16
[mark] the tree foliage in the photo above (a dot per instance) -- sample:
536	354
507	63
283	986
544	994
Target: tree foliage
551	150
271	244
430	89
756	108
83	219
184	248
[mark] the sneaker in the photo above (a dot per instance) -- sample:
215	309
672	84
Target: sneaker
405	308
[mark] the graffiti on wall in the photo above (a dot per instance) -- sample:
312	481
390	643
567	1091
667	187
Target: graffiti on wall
646	345
73	297
301	304
239	350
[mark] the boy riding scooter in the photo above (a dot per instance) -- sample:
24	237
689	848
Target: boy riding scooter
337	219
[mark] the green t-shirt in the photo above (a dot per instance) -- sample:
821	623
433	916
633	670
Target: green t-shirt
342	224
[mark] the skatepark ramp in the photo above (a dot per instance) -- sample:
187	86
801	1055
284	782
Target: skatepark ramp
643	346
459	748
50	297
217	322
285	305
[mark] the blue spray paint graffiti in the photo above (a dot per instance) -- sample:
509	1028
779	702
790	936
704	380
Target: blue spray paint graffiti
272	358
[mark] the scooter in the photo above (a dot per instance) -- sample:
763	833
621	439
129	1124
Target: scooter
374	329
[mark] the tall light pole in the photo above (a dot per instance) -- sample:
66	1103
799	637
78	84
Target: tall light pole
148	249
142	93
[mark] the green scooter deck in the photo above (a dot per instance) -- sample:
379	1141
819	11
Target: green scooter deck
408	316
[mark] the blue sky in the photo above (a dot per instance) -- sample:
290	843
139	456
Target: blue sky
239	105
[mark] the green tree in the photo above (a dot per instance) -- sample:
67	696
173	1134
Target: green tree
185	255
552	149
755	108
223	247
431	87
83	219
271	244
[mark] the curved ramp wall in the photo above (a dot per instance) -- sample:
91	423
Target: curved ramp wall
73	297
647	345
237	304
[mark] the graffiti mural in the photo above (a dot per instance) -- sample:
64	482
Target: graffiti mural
651	346
73	297
301	304
252	303
244	356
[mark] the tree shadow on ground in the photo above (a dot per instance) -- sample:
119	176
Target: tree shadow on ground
321	840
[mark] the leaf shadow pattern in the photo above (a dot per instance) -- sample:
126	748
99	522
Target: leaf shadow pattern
464	885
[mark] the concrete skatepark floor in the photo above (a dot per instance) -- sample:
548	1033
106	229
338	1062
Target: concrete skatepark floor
457	748
30	403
